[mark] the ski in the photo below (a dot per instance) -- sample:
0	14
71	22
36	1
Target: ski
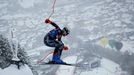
47	63
67	64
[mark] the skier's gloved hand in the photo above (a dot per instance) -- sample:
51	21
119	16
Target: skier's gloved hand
65	48
48	21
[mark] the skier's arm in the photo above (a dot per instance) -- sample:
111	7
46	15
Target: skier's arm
55	25
52	23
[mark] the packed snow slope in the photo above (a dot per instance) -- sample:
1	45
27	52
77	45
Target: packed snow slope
13	70
88	21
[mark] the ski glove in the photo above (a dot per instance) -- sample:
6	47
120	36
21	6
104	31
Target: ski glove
48	21
65	48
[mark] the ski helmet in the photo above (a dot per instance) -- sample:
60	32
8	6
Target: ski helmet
66	31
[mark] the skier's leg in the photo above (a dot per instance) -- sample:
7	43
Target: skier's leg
58	48
58	52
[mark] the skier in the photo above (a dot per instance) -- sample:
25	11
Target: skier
53	39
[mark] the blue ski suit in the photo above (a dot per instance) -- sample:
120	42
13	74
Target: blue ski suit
53	39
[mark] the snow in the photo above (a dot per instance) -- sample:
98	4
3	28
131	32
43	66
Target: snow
132	37
107	67
97	17
67	70
9	17
36	50
13	70
28	3
3	5
41	48
127	18
127	47
98	71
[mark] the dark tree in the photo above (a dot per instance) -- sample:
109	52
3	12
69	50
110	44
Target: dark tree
6	55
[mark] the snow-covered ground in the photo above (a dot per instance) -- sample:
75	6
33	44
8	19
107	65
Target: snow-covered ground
88	20
67	70
128	47
13	70
107	67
